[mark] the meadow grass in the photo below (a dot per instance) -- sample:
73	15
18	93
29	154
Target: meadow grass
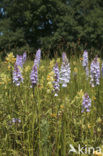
46	125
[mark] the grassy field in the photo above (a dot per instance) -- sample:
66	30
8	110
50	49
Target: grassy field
41	124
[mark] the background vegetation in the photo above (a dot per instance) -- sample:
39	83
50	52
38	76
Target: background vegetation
70	25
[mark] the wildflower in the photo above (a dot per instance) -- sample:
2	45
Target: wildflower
15	120
94	98
75	70
86	104
42	83
81	59
102	69
24	57
64	57
37	57
4	78
99	120
50	79
53	115
52	63
50	85
34	75
10	58
48	91
56	79
17	76
85	59
27	68
99	60
9	67
85	62
97	153
19	60
78	97
87	71
65	71
62	106
58	61
50	76
89	126
80	93
74	63
95	72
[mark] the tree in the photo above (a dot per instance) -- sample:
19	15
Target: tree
52	24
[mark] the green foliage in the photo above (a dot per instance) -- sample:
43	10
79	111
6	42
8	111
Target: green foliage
52	24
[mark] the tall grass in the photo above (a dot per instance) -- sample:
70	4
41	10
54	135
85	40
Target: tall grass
47	125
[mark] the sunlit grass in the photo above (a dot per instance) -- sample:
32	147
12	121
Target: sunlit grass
48	124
